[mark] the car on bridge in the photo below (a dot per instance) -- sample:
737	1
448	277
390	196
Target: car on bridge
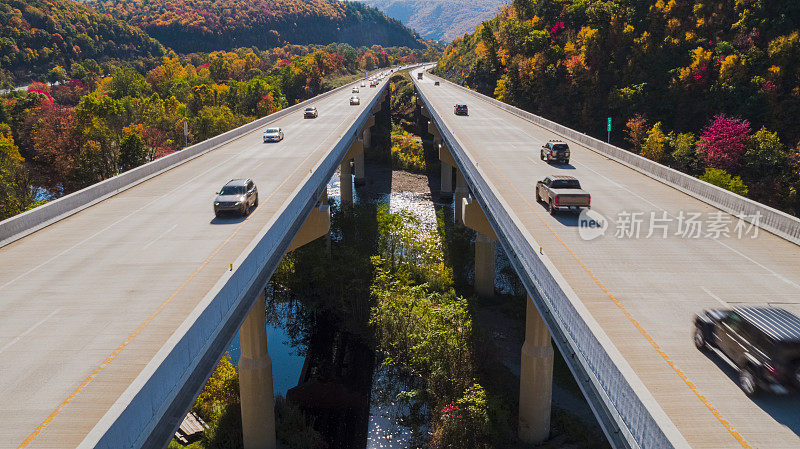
460	109
562	192
355	90
419	75
761	343
311	112
435	83
555	150
273	135
355	101
238	196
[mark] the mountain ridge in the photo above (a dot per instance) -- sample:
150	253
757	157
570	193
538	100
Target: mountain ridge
198	25
439	19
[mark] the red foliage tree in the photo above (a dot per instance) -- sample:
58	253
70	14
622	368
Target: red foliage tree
723	142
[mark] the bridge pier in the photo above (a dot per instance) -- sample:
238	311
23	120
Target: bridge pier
318	224
459	196
437	138
367	132
346	183
475	219
447	162
255	380
535	378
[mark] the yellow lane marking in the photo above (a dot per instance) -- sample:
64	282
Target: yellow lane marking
627	314
44	424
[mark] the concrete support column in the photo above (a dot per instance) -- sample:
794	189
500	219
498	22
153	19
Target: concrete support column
484	266
255	381
447	178
358	164
459	196
346	183
535	379
447	168
367	138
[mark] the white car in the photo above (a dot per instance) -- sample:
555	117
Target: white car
355	90
363	84
354	100
273	135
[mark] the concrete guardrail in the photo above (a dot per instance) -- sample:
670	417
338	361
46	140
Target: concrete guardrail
768	218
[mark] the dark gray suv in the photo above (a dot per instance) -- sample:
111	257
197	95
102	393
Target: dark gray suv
762	343
238	195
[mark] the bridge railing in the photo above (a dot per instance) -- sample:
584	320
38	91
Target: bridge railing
765	217
628	413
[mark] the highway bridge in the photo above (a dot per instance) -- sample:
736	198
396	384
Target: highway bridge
118	300
620	305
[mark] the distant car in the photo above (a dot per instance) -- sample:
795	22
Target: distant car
363	84
460	109
373	84
555	150
238	195
355	89
762	343
354	101
419	75
435	83
311	113
562	192
273	135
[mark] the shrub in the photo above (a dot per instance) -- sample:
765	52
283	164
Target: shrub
721	178
407	152
464	423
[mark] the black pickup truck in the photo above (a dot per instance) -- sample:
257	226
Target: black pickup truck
762	343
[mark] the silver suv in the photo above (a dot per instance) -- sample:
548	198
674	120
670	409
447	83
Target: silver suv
238	195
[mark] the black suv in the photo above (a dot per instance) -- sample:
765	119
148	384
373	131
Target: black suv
762	343
460	109
555	150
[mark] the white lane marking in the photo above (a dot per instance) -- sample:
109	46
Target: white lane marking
161	235
715	297
28	331
764	267
788	281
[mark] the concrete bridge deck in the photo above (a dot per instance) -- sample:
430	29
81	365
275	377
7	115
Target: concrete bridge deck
91	305
641	291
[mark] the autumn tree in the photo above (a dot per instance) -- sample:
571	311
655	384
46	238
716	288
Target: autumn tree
14	194
724	141
653	147
636	130
132	152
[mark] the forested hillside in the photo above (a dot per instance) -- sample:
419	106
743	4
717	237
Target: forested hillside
439	19
57	139
711	88
38	35
207	25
